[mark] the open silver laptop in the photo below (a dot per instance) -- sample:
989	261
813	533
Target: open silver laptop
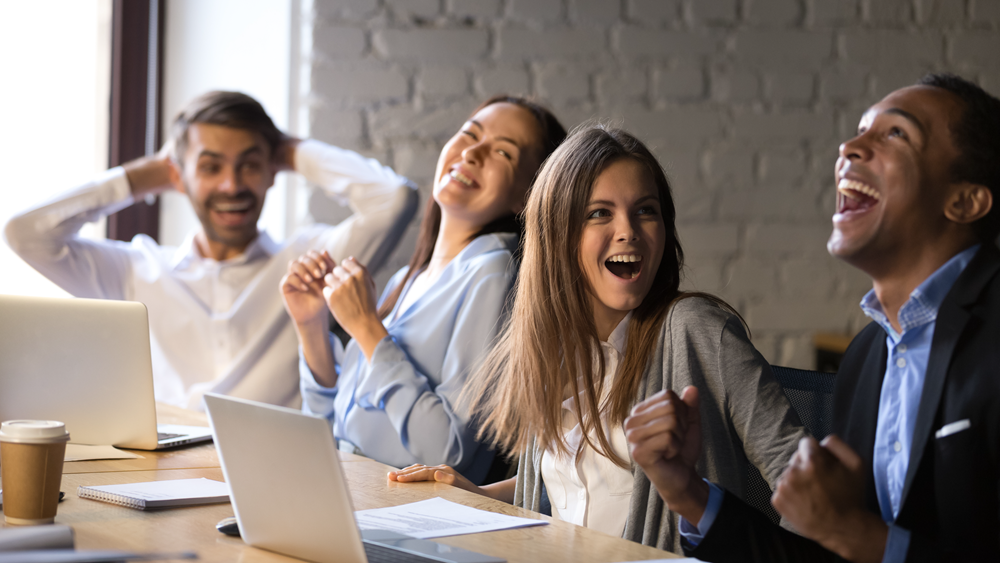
289	493
85	362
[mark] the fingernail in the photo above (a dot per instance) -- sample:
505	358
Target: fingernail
308	278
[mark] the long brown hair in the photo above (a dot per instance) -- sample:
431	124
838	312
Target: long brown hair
551	342
553	133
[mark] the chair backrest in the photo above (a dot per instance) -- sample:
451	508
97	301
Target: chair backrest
811	395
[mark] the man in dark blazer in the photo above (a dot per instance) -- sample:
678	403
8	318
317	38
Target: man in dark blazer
912	472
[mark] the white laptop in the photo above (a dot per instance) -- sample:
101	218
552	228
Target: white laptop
289	493
85	362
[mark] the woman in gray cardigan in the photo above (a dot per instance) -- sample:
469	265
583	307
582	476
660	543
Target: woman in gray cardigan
599	324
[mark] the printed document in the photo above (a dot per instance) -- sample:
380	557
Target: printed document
436	518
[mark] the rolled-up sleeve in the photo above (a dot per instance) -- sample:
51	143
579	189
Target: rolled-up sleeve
47	238
382	202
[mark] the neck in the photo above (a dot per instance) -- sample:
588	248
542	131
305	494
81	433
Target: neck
216	250
453	236
606	321
895	279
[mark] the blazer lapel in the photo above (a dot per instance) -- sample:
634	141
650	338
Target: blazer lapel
951	320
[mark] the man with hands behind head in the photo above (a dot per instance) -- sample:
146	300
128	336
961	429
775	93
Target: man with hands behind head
912	470
216	318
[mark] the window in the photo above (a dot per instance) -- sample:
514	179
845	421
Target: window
55	60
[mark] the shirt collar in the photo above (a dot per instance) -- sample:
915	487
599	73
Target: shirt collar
618	337
261	247
922	306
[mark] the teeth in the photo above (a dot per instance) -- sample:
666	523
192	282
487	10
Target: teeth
461	177
625	258
845	186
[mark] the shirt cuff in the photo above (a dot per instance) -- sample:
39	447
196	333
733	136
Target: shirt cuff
693	534
896	545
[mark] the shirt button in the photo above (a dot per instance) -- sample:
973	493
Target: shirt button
897	446
901	348
901	362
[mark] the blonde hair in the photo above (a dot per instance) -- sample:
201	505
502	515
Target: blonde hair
551	342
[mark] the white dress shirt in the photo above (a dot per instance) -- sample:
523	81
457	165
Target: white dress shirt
591	490
214	326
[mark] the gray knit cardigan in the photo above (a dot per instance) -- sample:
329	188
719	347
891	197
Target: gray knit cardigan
744	415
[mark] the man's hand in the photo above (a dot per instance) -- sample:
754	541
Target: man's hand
821	494
664	435
283	159
150	175
350	294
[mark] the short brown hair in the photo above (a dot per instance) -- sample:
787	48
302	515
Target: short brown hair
230	109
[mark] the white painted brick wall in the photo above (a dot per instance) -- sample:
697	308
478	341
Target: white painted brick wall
744	102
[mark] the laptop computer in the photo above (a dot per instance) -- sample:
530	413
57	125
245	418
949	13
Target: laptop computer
85	362
290	495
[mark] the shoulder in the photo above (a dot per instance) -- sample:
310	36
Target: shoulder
699	314
488	256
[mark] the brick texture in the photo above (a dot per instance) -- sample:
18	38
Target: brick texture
743	101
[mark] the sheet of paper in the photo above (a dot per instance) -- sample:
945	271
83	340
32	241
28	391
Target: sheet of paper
80	452
436	518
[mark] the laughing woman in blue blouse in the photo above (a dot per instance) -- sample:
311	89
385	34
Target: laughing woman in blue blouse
391	394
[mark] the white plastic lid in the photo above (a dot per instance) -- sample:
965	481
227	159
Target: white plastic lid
33	431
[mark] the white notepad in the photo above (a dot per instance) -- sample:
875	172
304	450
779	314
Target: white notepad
159	494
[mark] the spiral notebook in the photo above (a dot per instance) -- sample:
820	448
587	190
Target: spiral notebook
159	494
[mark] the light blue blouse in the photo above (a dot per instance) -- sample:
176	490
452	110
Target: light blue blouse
401	408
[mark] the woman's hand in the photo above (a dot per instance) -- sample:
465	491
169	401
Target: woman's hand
664	439
302	287
438	473
350	294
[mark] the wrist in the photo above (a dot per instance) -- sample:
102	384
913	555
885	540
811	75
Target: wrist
861	538
369	334
147	175
690	502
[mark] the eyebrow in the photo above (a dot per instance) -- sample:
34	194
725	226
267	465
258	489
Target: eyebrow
508	139
611	203
211	154
909	117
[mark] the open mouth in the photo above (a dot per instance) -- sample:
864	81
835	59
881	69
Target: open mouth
463	179
232	211
854	196
625	266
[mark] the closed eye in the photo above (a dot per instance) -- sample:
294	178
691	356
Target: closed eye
505	154
470	134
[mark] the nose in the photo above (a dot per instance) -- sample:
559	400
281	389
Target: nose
474	153
856	148
625	229
228	181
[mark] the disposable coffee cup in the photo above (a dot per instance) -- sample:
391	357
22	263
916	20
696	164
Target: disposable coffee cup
31	460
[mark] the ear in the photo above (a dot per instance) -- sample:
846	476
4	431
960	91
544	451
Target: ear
968	203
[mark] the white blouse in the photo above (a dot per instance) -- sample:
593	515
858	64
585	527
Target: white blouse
592	491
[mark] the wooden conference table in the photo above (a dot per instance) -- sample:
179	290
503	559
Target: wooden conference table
100	525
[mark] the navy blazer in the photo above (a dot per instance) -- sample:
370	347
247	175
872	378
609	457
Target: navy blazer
951	495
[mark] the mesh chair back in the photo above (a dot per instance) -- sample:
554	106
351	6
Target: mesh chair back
811	395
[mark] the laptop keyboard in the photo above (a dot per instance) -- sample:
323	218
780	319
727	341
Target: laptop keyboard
160	436
381	554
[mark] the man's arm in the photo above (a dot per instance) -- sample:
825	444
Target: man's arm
820	492
47	237
382	202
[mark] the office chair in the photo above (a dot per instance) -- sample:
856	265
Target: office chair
811	395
